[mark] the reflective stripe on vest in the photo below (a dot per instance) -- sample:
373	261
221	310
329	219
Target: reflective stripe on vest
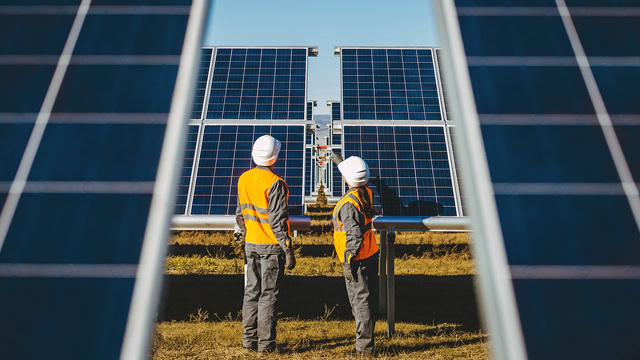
368	246
253	197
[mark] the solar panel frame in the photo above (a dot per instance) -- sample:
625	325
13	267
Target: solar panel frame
144	277
506	284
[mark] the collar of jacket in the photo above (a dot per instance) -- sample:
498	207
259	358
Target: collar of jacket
268	168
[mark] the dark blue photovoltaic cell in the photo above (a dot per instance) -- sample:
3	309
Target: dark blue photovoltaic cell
308	170
619	88
337	177
579	319
530	153
508	3
335	111
201	84
515	36
187	167
144	2
526	90
310	110
107	229
226	154
79	318
409	167
100	152
557	229
23	87
258	83
389	84
117	89
628	137
34	34
131	35
13	141
596	32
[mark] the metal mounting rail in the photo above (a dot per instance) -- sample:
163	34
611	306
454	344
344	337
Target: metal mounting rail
226	222
387	226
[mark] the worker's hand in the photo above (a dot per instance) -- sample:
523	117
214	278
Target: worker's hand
238	237
348	273
337	159
291	259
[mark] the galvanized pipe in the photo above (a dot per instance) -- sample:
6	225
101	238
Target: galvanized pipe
420	223
226	222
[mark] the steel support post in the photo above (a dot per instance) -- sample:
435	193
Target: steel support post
382	303
391	283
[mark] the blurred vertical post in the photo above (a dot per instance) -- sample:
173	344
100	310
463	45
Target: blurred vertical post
382	304
391	282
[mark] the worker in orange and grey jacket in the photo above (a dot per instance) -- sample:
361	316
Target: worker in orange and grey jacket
262	219
357	249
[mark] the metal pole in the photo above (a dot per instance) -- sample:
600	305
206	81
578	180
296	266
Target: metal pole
391	284
382	304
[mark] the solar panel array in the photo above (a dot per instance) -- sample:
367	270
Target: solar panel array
81	138
409	166
201	85
258	83
226	154
308	171
309	110
554	84
336	185
389	84
187	169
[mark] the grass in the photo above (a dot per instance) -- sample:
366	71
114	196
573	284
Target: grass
226	238
316	339
452	264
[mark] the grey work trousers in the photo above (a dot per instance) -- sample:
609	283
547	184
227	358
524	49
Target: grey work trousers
363	296
263	275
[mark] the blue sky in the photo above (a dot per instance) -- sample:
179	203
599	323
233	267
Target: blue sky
325	23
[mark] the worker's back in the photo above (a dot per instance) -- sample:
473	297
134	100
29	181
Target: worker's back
253	199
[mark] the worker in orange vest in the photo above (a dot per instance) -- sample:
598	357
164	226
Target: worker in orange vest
357	250
262	219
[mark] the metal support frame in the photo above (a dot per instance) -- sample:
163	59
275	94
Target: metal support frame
387	225
226	222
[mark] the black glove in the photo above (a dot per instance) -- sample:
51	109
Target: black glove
238	237
348	274
337	159
291	259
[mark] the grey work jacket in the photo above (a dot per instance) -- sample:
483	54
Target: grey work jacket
353	222
278	216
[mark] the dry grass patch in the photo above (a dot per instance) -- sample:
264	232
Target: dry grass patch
451	264
316	339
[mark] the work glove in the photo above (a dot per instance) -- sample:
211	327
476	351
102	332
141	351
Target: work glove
348	274
337	159
238	237
291	259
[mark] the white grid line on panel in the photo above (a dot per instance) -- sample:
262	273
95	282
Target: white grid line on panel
626	178
575	272
84	187
19	182
68	270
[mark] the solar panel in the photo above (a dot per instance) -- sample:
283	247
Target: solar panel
308	172
85	166
187	169
310	110
409	165
555	167
335	111
226	154
201	85
336	186
456	168
258	83
389	84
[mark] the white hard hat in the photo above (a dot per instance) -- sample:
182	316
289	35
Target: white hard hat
265	150
355	171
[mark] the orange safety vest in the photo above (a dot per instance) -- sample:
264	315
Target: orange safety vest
369	245
253	197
